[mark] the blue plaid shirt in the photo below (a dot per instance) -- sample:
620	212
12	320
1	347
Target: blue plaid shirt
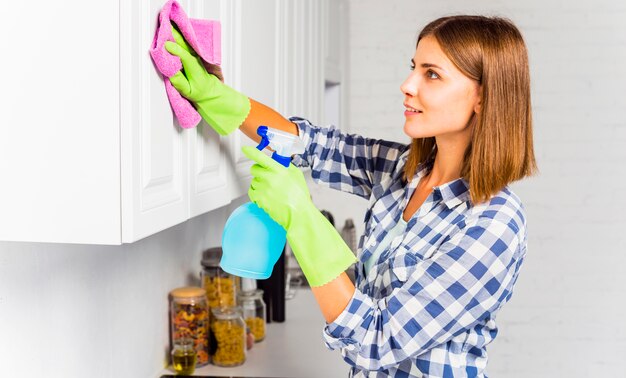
428	308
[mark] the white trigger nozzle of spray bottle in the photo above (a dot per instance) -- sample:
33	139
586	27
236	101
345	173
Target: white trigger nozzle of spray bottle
284	144
252	241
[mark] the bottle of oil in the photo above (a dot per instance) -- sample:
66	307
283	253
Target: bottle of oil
184	356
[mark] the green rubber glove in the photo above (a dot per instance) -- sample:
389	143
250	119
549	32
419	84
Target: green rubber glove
220	106
282	193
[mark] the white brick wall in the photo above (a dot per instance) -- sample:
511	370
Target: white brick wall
568	313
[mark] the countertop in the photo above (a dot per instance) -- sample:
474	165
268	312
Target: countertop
293	349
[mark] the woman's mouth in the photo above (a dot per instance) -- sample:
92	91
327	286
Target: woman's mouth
411	111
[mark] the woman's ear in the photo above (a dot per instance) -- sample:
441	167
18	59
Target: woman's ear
479	100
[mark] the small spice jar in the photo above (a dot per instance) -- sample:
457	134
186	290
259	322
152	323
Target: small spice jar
254	312
230	336
189	316
221	287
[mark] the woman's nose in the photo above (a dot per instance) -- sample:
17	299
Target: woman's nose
409	87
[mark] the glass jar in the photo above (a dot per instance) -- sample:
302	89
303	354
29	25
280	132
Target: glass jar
189	315
230	336
220	287
254	312
184	356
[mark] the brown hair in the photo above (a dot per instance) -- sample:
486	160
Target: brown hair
491	51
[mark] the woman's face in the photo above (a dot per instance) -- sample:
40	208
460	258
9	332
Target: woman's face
439	100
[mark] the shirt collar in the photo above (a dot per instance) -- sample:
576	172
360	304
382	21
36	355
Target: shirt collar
453	193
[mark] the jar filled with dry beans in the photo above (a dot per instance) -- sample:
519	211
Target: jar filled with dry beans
254	312
230	336
221	287
189	317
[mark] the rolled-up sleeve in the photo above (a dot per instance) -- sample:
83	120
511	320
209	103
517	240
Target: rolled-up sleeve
468	278
346	162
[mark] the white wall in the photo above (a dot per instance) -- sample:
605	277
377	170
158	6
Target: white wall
568	313
70	310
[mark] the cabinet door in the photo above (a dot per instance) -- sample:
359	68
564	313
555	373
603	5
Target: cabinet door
250	55
208	164
155	150
59	144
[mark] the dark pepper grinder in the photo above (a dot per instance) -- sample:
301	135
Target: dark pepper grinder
274	292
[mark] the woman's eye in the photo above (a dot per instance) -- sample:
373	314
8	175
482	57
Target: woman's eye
412	66
432	74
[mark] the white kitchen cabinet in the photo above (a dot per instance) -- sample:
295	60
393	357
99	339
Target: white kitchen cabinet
209	188
254	29
60	144
284	62
91	152
171	174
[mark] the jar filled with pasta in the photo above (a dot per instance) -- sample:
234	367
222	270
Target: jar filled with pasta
254	312
230	336
220	287
189	317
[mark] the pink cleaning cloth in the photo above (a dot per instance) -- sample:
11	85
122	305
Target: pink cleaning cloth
202	35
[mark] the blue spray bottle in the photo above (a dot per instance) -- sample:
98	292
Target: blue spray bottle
252	242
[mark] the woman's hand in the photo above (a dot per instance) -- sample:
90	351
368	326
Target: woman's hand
212	69
282	193
220	106
196	83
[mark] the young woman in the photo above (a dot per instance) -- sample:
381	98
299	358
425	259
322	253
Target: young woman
444	235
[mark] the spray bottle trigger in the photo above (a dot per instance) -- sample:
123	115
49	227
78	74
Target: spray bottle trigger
262	132
283	160
266	140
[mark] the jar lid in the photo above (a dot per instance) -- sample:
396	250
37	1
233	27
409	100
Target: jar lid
188	292
211	257
251	294
226	312
183	343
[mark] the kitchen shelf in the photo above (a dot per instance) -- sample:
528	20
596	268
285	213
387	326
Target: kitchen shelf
291	349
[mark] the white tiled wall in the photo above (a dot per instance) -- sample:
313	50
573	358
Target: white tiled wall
567	317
